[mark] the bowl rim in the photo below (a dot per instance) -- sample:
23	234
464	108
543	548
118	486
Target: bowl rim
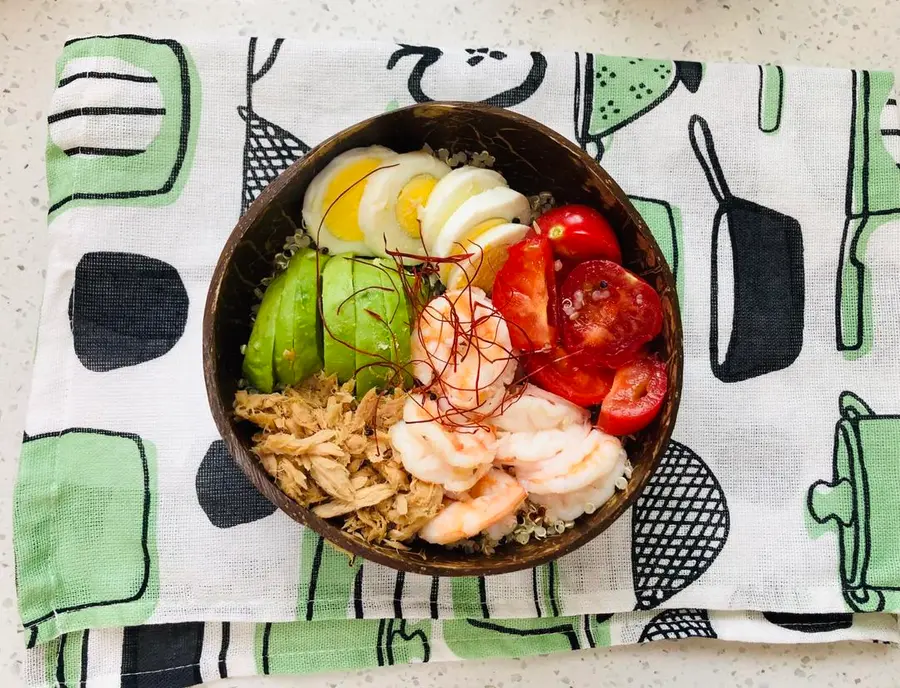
336	537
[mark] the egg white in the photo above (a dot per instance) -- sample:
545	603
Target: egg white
450	193
314	207
378	208
488	256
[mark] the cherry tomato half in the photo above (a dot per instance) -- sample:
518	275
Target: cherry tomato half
580	232
608	312
637	394
525	294
564	374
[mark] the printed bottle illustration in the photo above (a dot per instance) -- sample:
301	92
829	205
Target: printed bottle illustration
770	103
612	92
96	536
873	200
860	501
125	309
268	148
768	279
160	655
484	68
679	525
297	647
664	221
225	494
123	122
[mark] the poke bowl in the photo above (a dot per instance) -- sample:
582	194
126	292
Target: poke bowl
445	341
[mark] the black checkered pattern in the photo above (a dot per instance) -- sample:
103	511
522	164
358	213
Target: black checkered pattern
679	526
677	624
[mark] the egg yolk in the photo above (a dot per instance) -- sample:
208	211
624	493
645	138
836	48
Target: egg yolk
412	197
482	227
342	219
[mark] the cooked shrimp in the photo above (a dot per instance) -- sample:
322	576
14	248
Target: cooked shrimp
458	446
493	498
516	448
419	458
462	340
536	409
571	505
502	528
597	457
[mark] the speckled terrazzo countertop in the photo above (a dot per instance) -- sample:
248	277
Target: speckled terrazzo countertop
859	33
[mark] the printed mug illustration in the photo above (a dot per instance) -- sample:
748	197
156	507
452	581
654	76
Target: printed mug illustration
66	659
862	501
770	102
612	92
810	623
664	221
767	275
679	525
678	624
873	200
268	148
297	647
225	494
125	309
484	68
162	656
98	541
123	122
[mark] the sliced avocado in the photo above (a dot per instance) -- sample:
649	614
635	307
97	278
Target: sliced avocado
258	358
373	336
283	351
397	310
305	323
339	312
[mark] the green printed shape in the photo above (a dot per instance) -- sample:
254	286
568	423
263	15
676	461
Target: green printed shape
861	502
597	629
391	106
664	221
302	647
260	354
873	196
63	659
85	531
771	98
626	87
155	176
326	579
468	597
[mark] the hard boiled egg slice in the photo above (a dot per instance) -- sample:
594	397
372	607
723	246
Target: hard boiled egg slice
492	208
489	253
332	200
389	209
450	193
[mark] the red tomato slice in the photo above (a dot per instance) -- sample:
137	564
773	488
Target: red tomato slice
608	312
577	231
525	294
637	394
564	374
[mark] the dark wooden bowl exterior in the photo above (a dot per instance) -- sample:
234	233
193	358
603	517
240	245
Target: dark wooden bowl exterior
533	158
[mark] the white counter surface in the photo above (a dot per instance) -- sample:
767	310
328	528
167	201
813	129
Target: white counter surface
856	33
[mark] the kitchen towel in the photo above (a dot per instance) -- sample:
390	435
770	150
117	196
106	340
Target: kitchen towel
145	558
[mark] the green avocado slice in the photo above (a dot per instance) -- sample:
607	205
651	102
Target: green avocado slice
339	314
373	336
300	318
258	365
283	351
397	310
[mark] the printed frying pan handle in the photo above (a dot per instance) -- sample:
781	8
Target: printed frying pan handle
853	407
705	150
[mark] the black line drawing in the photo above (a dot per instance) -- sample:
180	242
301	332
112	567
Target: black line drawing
177	75
565	629
873	199
223	649
770	100
612	92
433	597
596	620
125	309
679	526
810	623
860	498
111	110
428	56
664	221
768	274
162	656
398	594
268	148
144	528
358	610
390	631
79	679
225	494
136	78
677	624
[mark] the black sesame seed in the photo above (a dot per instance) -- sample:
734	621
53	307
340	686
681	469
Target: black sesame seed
603	284
323	251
